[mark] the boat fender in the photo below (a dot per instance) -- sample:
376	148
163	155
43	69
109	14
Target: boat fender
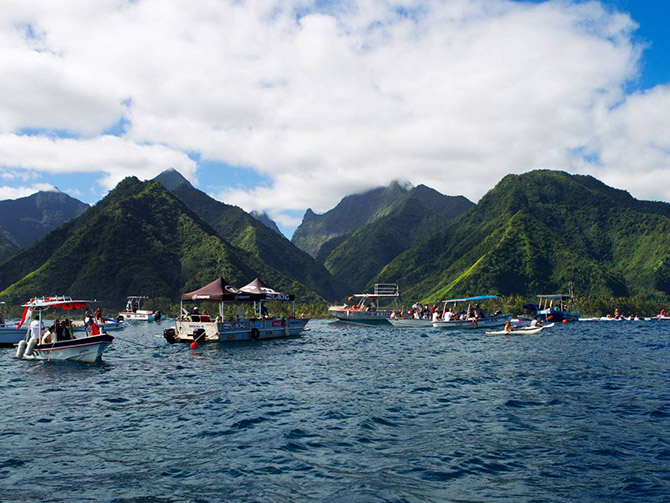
119	318
21	348
170	335
29	348
199	335
255	334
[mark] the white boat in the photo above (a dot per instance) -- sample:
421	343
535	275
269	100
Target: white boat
226	327
522	330
9	334
371	308
134	311
83	349
475	317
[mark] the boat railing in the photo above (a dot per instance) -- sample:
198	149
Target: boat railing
390	289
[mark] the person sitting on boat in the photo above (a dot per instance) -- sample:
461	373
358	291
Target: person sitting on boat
448	315
394	315
205	316
264	311
49	336
194	314
616	313
372	306
535	323
92	328
436	316
508	326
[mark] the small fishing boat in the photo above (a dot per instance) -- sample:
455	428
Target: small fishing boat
370	308
555	307
194	326
467	314
134	311
36	346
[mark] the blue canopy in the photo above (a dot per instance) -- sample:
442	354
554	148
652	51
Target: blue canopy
480	297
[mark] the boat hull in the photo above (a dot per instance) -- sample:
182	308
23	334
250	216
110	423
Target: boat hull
138	316
10	336
411	323
85	349
379	317
235	331
496	321
558	316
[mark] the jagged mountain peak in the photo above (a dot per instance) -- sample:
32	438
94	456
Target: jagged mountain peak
171	178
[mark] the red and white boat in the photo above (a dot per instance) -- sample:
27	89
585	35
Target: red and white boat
82	349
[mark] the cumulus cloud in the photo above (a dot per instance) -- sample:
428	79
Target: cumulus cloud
325	99
111	156
7	192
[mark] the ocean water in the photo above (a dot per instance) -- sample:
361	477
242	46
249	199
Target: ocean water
344	413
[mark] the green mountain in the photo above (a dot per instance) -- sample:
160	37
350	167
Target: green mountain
264	218
535	233
8	245
247	233
28	219
140	239
324	235
360	256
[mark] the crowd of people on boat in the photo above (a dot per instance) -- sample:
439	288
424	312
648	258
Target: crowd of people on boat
63	330
436	313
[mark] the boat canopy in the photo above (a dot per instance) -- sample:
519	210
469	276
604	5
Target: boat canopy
382	290
263	292
218	290
480	297
66	303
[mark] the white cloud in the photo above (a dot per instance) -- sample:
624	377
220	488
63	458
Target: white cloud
7	192
326	101
115	158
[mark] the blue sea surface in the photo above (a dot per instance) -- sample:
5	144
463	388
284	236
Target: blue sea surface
580	412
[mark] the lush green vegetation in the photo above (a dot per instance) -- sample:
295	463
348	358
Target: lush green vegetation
139	240
535	233
243	231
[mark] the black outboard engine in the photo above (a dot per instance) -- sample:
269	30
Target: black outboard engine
157	316
170	335
199	335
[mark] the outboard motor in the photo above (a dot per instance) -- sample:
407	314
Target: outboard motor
199	335
157	316
170	335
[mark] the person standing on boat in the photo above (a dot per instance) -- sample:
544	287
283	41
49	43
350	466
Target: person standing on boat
36	330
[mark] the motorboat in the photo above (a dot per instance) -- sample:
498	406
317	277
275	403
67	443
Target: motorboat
231	323
10	334
37	346
370	308
555	307
466	314
134	311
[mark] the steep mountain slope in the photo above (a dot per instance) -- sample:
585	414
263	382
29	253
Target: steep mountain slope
138	239
265	219
536	232
8	245
28	219
351	213
243	231
359	257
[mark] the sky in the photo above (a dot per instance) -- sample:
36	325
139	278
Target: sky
283	106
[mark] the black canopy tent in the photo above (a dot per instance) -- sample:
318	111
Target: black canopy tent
221	291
